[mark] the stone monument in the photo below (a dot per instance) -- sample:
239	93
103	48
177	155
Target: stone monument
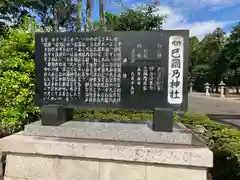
127	70
110	69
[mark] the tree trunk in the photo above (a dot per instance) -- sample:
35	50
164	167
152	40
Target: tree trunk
101	14
236	79
55	24
216	84
88	15
79	16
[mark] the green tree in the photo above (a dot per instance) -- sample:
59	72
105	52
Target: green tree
206	62
209	67
17	78
193	55
217	65
202	67
142	18
13	10
231	55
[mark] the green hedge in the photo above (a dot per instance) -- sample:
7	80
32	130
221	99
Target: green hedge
223	140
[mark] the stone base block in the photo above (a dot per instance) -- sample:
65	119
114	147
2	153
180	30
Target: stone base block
51	158
112	131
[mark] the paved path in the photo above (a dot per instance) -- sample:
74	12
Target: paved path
224	110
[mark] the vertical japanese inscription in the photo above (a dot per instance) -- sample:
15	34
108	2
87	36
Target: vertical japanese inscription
175	70
82	68
147	76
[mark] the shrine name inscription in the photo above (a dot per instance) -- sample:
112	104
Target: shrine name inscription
133	70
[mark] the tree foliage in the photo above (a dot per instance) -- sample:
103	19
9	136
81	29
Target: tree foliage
12	11
215	58
17	79
141	18
193	55
231	55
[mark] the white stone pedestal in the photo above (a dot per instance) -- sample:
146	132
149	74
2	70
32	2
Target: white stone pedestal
222	92
52	158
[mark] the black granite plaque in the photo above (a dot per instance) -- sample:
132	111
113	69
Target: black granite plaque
130	70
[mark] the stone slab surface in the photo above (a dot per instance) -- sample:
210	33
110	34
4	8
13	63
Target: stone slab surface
120	171
111	131
109	150
175	173
30	167
37	167
40	167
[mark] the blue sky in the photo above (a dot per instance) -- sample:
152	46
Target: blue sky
199	16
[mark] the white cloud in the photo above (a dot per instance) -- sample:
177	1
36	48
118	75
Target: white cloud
177	20
201	28
218	1
212	5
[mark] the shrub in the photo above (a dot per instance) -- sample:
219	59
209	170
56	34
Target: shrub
17	78
116	114
224	141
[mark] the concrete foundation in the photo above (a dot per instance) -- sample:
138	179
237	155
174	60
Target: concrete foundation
58	158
